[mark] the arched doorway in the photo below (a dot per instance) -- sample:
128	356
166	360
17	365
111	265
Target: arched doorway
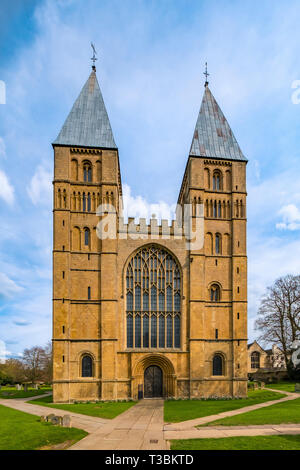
153	382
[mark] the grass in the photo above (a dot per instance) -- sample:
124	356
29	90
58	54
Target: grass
281	413
107	410
282	442
284	386
12	392
182	410
22	431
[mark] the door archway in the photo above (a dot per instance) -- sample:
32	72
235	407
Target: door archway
153	382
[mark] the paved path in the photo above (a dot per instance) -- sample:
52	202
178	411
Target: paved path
140	427
190	424
232	431
89	424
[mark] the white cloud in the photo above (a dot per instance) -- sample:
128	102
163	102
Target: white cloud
138	206
8	288
291	218
6	189
40	188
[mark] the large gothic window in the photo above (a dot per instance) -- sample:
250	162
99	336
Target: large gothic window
153	299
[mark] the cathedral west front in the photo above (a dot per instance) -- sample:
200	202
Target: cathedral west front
146	311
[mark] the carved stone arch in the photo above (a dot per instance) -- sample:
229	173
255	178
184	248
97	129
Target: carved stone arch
226	244
215	291
212	358
209	243
98	171
218	244
87	171
207	178
206	208
80	357
59	198
217	180
167	368
74	169
86	237
224	210
228	180
64	199
228	210
76	241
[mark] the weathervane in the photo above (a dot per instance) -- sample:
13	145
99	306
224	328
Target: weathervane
94	58
206	75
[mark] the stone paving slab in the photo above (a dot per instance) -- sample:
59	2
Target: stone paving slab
233	431
189	424
132	430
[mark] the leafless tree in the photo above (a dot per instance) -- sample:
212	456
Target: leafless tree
279	314
34	360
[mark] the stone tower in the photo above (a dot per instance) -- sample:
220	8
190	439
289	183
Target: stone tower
144	313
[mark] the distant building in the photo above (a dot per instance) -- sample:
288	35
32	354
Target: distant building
265	361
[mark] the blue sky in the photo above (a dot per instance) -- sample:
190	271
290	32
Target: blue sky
151	56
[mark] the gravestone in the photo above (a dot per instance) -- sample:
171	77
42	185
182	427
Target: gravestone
297	388
55	420
19	387
66	421
49	417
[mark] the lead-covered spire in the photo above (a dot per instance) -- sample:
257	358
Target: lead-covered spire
213	137
88	124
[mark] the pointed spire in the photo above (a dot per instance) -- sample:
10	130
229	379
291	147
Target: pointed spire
87	124
213	137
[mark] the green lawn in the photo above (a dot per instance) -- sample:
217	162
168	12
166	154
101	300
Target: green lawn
106	410
182	410
286	412
285	386
12	392
282	442
22	431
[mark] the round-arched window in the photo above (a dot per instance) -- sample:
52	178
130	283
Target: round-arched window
87	366
215	293
218	365
153	299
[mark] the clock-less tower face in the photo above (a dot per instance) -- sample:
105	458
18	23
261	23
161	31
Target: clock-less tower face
147	315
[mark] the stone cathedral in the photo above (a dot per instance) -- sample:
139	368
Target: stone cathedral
148	315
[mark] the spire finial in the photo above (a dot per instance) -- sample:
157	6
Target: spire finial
94	58
206	75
